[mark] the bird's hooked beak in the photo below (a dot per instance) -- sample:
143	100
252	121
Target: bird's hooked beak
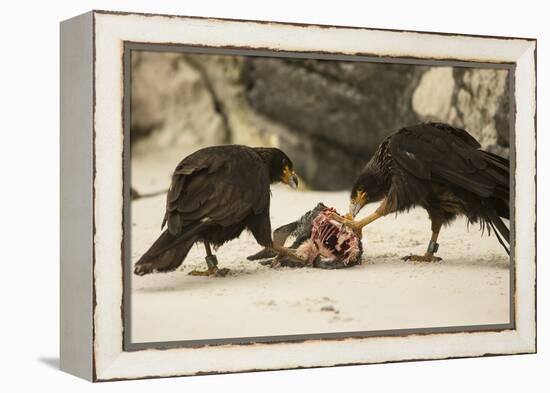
357	202
290	178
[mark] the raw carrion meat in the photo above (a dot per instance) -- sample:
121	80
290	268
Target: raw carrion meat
329	239
320	242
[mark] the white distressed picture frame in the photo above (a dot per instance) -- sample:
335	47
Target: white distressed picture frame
92	153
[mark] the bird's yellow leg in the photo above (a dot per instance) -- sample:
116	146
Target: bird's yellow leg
210	272
367	220
429	256
212	263
285	252
357	226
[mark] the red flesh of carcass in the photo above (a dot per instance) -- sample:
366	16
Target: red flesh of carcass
330	239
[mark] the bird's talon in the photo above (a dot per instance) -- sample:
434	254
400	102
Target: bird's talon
421	258
222	272
266	262
358	230
210	272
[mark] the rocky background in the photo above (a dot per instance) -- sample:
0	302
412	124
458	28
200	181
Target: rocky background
328	116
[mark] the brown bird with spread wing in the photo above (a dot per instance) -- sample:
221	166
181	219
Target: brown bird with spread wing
442	169
215	194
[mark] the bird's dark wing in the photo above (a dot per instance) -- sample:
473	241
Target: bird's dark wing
222	184
445	154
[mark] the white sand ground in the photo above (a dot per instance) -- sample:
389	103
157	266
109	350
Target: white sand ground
469	287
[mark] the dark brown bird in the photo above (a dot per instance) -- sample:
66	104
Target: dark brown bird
215	194
442	169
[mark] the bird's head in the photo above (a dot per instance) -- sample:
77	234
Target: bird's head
369	187
357	200
280	166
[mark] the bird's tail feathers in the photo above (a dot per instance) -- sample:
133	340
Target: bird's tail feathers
498	168
499	228
168	251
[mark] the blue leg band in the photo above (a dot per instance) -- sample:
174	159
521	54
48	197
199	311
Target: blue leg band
433	247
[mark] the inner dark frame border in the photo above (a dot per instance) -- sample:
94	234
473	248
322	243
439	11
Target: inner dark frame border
129	46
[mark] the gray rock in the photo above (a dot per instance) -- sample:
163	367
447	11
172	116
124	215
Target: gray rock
474	99
243	125
321	164
171	104
328	116
482	103
337	112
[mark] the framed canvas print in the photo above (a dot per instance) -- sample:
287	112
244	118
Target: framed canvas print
246	195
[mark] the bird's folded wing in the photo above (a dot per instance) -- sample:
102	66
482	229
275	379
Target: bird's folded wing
445	154
217	187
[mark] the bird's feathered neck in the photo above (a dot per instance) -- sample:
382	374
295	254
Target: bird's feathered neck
375	179
276	161
266	153
381	159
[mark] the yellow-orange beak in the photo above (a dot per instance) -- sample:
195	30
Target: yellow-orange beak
357	202
289	177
